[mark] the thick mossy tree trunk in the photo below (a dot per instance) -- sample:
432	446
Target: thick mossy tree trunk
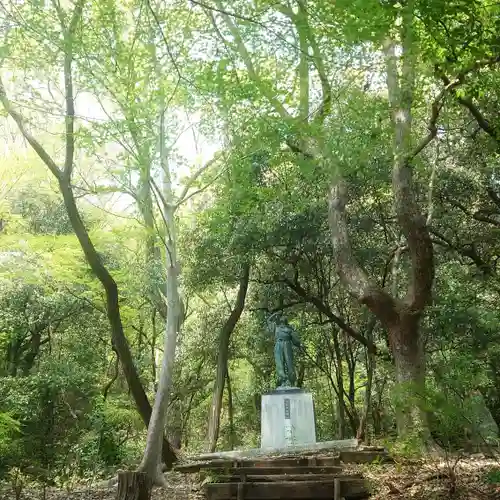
409	364
222	359
399	316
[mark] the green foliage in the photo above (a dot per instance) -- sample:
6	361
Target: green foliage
9	428
493	475
44	214
64	404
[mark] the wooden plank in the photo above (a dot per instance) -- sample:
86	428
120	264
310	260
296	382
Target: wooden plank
342	444
273	478
353	488
292	462
269	471
240	495
336	490
271	463
363	457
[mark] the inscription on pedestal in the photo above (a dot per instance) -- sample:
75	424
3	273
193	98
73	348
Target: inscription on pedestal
287	408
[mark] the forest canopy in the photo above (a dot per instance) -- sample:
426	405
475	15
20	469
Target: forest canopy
174	172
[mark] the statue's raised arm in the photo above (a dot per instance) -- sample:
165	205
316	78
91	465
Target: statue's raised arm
270	321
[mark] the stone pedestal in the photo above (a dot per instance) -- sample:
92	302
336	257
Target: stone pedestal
287	419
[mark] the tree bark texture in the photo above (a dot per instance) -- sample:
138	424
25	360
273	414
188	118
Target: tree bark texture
362	434
151	462
133	486
222	358
400	317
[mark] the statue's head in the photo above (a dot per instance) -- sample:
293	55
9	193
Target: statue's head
281	318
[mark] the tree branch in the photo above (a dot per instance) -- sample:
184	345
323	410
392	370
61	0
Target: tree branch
493	196
247	60
317	59
350	272
300	22
220	10
325	309
183	196
68	33
468	251
34	143
467	102
436	107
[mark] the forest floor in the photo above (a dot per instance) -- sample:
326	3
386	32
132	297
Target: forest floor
474	478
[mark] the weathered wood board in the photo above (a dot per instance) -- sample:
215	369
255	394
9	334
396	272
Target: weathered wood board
349	489
344	456
343	444
273	478
294	475
270	463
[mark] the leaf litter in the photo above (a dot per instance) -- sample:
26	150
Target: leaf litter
475	477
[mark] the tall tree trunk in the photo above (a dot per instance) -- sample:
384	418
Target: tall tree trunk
151	462
120	343
339	374
400	317
152	256
407	350
63	176
362	433
133	486
230	412
222	358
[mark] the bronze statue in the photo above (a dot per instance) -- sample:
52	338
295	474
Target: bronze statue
284	337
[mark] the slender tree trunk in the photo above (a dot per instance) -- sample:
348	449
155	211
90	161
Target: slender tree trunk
151	462
362	434
222	358
119	340
339	374
32	353
230	412
301	372
157	288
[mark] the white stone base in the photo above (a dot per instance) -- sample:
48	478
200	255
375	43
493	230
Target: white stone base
287	419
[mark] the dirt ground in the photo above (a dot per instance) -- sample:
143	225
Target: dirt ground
474	478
